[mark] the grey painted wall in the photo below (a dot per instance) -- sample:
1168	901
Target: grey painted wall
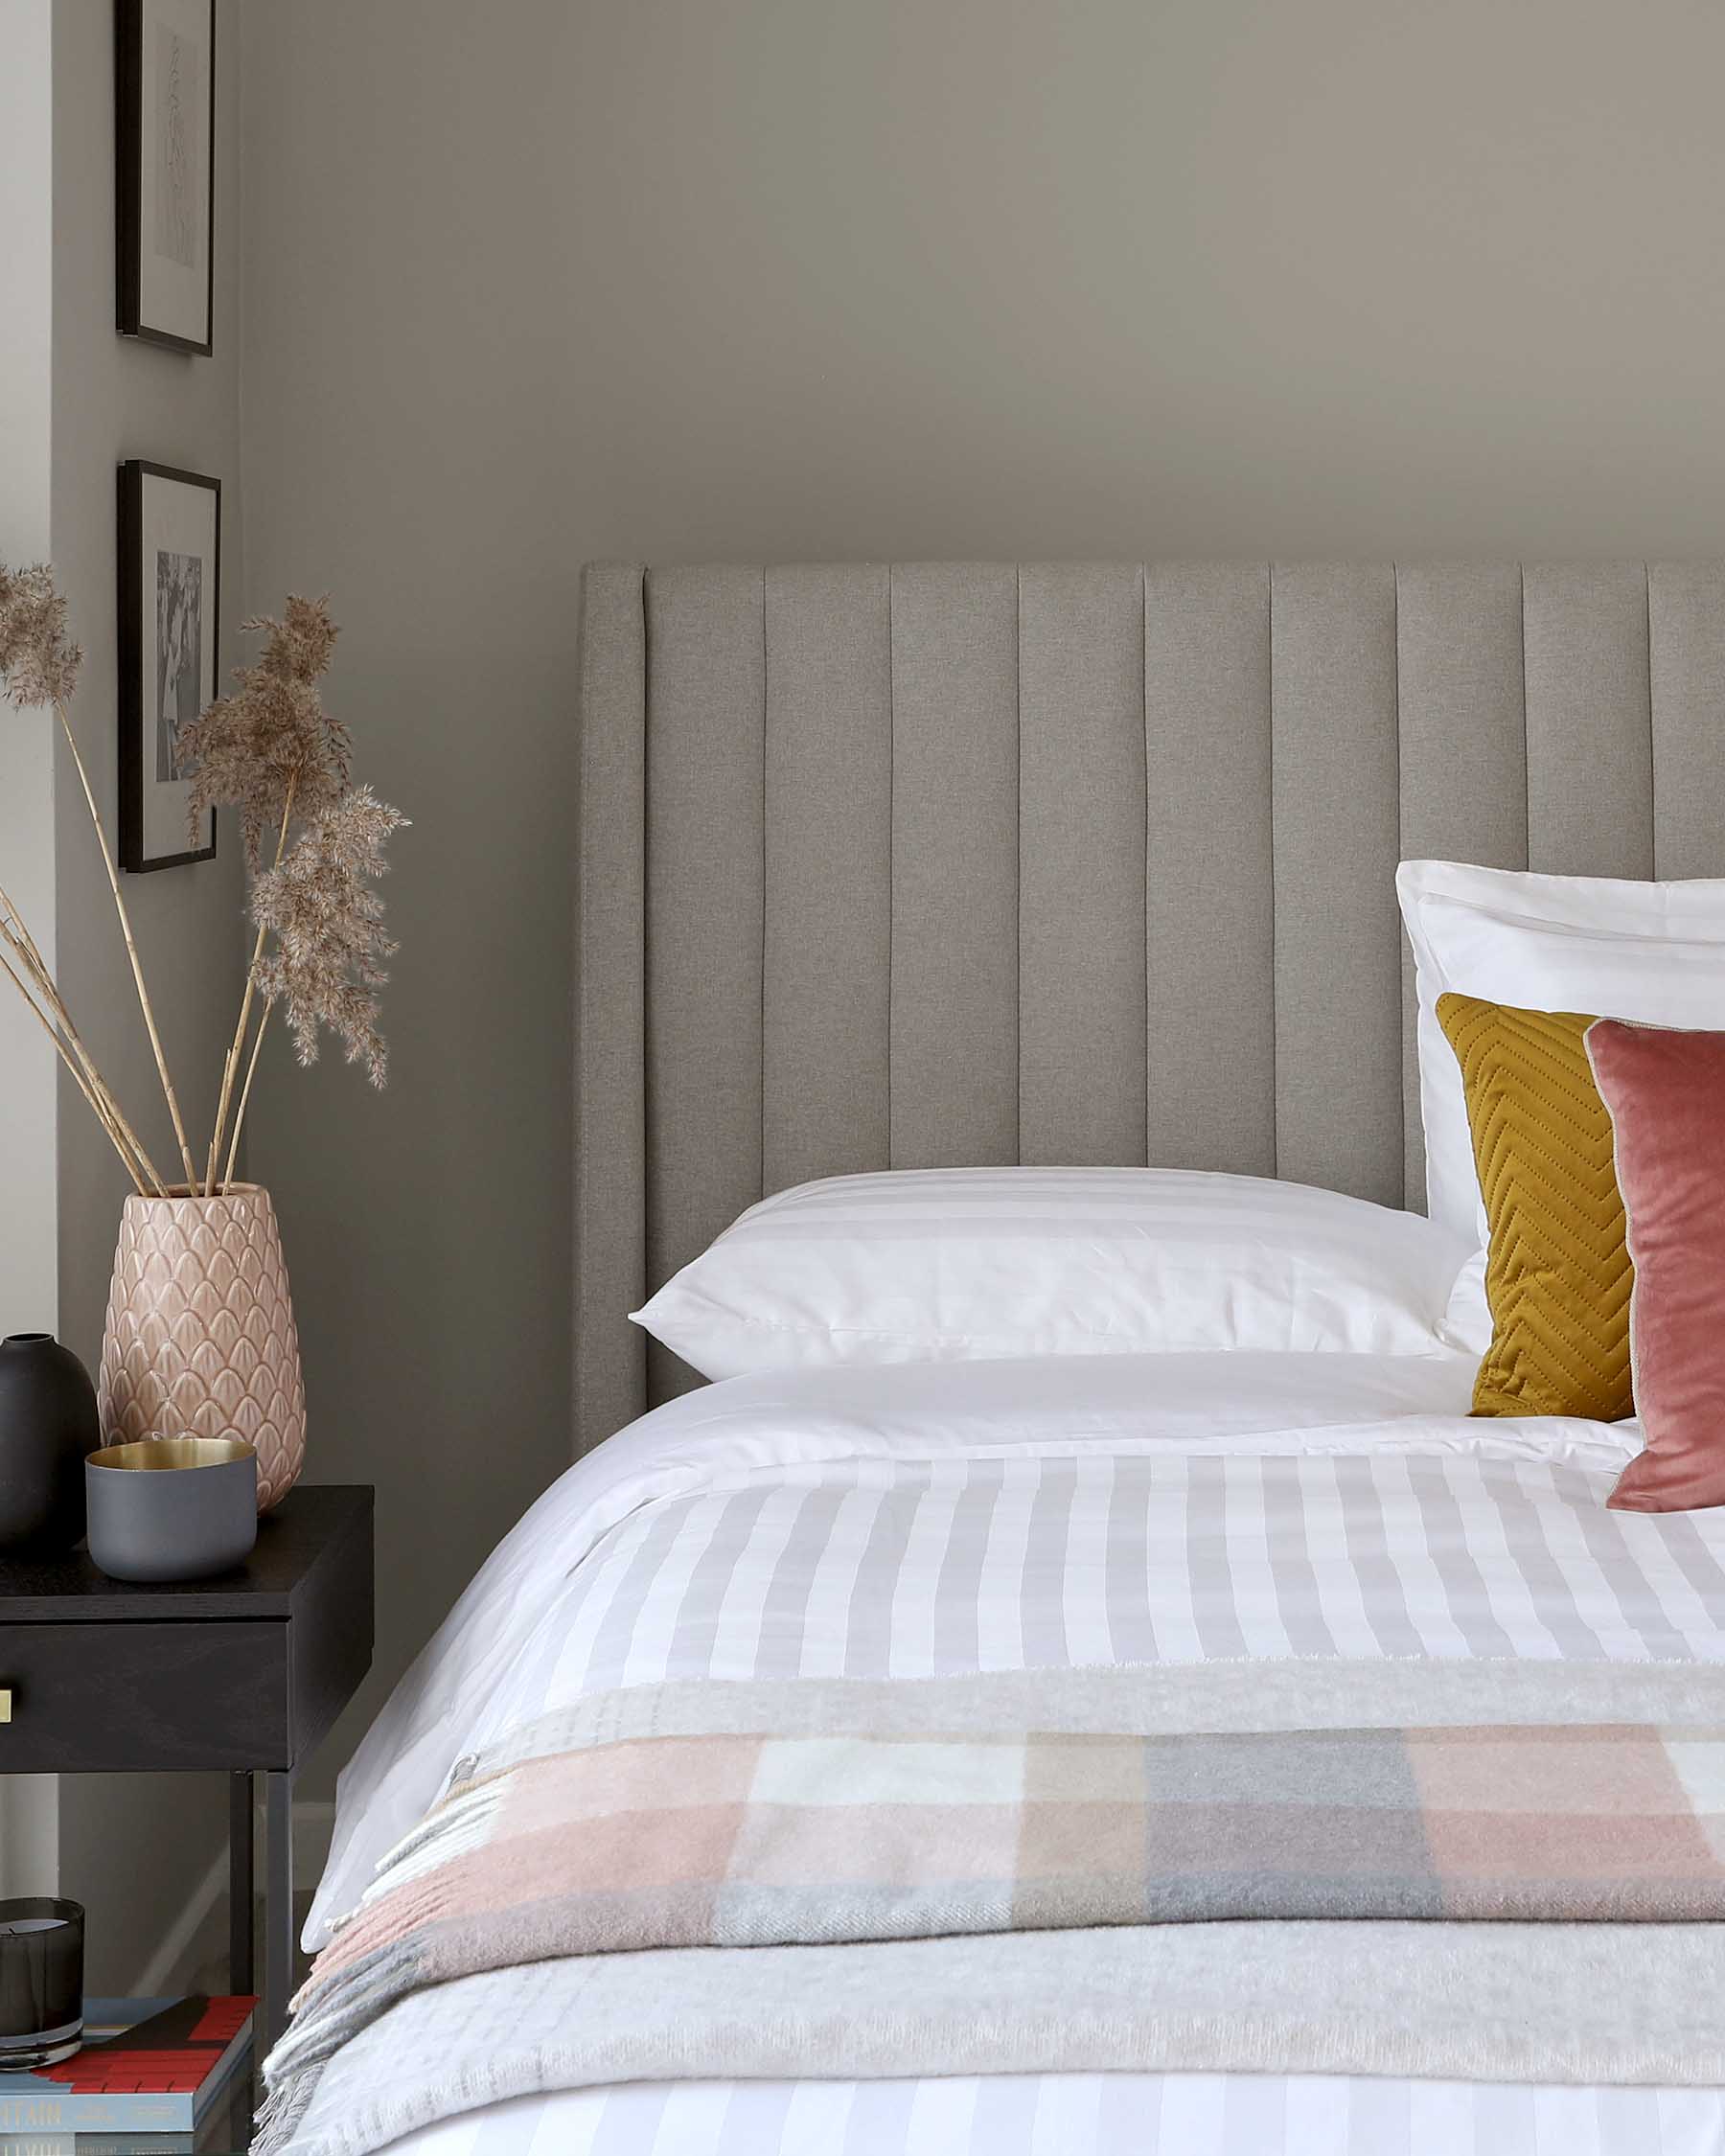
131	1850
786	278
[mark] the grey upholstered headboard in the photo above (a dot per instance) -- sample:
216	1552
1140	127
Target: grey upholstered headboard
968	862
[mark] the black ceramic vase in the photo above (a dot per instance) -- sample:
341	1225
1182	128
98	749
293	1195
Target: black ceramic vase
47	1428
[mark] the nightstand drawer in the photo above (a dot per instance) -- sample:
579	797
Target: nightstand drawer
119	1698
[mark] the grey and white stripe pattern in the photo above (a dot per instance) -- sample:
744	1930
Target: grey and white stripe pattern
1091	2115
873	1568
1048	1554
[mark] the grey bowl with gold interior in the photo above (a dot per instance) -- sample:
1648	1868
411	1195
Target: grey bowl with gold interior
172	1508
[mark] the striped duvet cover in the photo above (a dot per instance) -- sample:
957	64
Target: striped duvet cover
1181	1510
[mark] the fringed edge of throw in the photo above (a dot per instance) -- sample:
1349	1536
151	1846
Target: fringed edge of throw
283	2108
294	2070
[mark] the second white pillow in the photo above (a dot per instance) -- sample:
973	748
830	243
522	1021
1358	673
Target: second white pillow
1593	944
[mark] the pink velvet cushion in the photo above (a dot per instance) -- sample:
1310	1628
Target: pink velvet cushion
1665	1094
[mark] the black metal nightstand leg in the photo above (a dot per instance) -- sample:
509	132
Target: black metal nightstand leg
240	1883
278	1904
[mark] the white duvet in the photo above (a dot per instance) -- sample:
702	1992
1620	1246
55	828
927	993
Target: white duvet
917	1520
920	1520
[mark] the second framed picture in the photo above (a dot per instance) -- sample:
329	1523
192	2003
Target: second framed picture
165	169
169	603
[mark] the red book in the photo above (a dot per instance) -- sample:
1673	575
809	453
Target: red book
156	2073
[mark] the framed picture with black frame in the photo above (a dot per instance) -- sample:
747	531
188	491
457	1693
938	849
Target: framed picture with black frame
169	605
165	170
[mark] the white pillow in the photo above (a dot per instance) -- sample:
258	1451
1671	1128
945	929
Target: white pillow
943	1265
1654	951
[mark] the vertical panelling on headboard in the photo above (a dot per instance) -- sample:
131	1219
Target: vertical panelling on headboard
954	1028
705	899
1335	793
611	1150
1081	864
1685	623
866	856
1210	901
1463	741
828	833
1590	726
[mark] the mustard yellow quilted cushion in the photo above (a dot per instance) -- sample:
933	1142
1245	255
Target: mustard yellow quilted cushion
1558	1272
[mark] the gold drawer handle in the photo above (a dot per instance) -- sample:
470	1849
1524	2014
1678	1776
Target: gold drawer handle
5	1703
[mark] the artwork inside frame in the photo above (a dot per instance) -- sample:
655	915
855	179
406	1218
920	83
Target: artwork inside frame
165	170
169	605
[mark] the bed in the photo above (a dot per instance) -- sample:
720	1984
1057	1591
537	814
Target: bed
1091	864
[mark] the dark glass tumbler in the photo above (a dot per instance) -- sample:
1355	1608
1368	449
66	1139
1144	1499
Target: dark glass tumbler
41	1981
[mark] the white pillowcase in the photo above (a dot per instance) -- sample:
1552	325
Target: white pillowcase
942	1265
1653	952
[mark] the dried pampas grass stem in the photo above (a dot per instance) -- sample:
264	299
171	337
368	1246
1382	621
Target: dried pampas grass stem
100	1106
131	948
251	1072
17	938
231	1064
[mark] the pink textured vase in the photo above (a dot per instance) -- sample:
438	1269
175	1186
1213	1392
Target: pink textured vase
200	1338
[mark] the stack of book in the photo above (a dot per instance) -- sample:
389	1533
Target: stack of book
151	2074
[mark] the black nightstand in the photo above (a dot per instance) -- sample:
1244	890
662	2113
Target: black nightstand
243	1674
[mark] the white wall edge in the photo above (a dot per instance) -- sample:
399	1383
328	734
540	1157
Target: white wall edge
29	1233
